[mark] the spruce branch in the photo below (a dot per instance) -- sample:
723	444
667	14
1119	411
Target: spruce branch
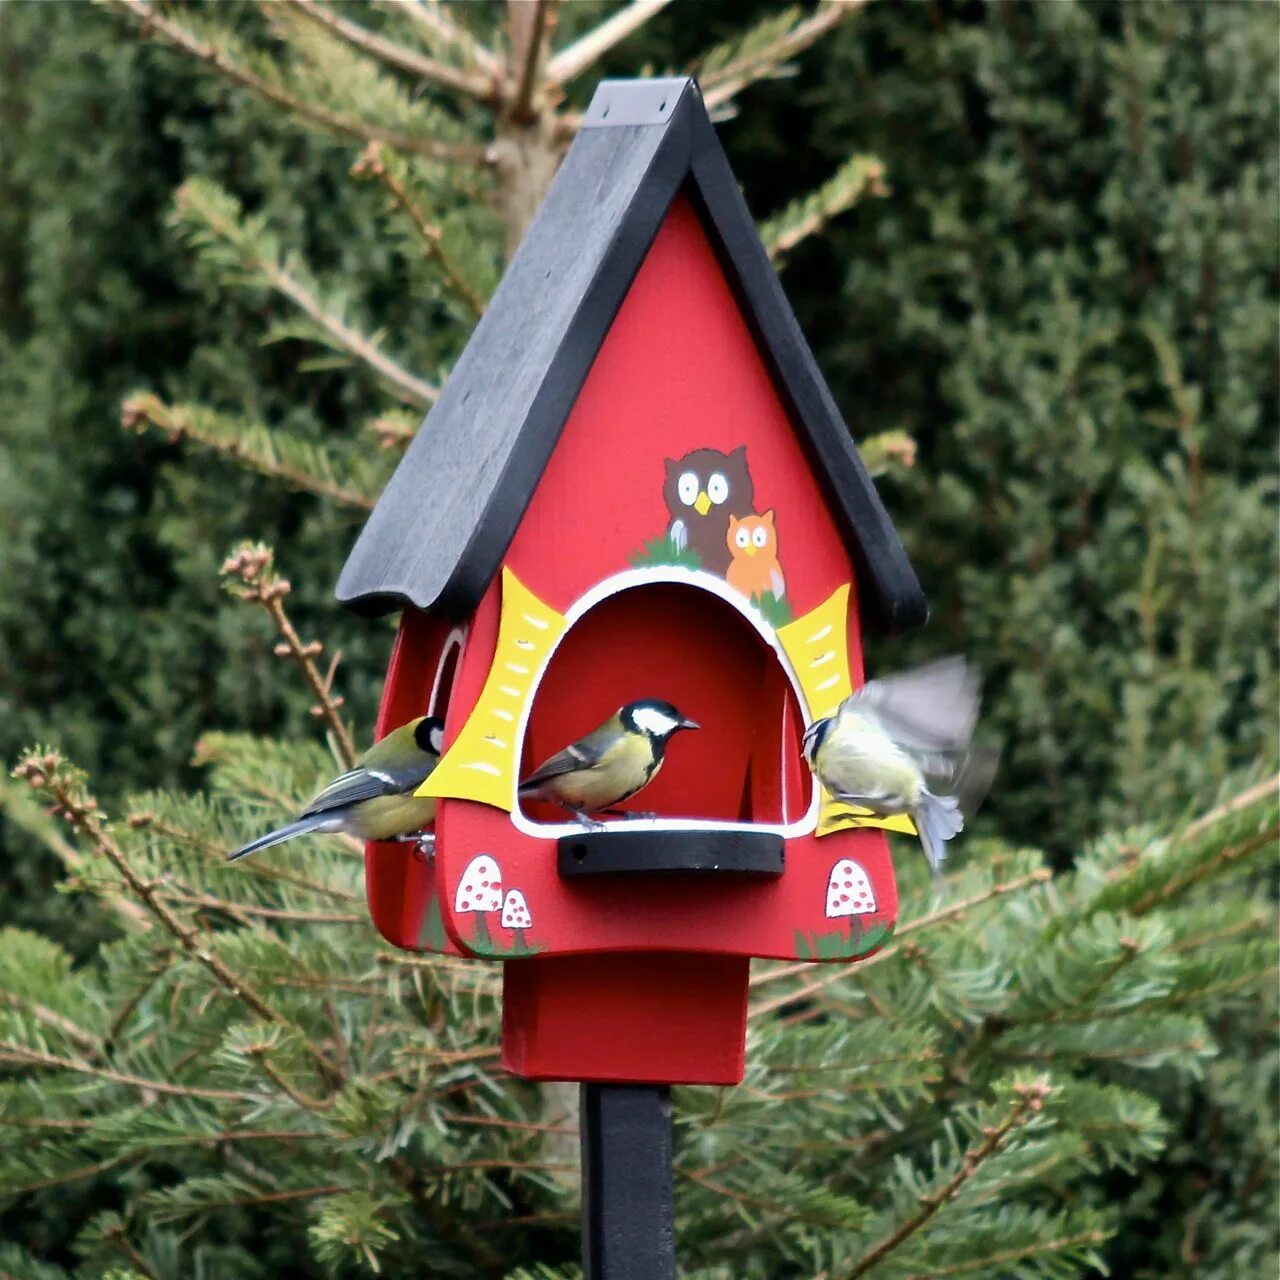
214	220
1028	1102
271	453
249	573
764	50
956	910
375	163
1038	1249
150	22
438	28
23	1056
571	61
395	55
805	216
887	452
48	773
394	431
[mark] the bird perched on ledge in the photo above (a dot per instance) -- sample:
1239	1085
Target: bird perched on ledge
375	799
611	763
902	745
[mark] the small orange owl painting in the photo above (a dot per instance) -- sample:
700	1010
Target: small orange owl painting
753	547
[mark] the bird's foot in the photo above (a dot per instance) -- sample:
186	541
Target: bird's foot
425	844
589	823
630	813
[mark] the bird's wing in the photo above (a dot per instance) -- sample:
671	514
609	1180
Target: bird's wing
366	782
582	754
933	708
967	775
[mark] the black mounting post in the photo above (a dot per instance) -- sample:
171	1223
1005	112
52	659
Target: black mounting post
628	1218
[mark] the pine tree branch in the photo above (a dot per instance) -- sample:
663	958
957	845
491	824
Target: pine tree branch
20	1055
219	853
725	82
1039	1249
257	448
216	216
392	54
177	37
1206	870
373	163
437	26
19	806
588	49
53	1020
72	1175
116	1235
314	1105
1029	1100
955	910
49	773
280	914
1268	787
859	176
251	565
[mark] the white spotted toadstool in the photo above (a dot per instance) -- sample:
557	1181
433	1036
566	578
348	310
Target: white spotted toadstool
480	891
849	891
516	915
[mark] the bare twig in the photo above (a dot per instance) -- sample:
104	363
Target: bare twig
574	59
393	54
151	22
252	565
528	38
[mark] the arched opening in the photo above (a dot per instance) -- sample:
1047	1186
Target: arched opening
446	670
686	644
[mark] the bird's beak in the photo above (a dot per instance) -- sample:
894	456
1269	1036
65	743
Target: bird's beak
686	723
750	548
703	504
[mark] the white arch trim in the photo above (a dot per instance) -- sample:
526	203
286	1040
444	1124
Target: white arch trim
654	576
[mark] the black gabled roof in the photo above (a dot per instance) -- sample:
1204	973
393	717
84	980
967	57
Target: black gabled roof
440	530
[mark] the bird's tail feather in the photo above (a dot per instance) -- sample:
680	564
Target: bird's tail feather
937	818
311	822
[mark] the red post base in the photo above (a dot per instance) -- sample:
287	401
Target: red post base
644	1018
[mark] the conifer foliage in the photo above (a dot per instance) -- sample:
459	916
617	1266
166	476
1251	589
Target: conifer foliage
246	1082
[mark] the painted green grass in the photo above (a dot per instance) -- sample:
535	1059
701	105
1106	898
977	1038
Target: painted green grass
662	551
773	609
841	944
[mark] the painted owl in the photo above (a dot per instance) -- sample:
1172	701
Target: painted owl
753	544
702	490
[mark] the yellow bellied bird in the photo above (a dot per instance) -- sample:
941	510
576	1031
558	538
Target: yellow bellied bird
903	745
611	763
375	799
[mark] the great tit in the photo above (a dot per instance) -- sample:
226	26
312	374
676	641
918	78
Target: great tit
611	763
901	745
375	800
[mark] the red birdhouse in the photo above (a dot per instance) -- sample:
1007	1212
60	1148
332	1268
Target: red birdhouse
635	484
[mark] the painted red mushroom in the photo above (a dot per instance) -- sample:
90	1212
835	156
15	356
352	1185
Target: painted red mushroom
516	916
849	892
480	891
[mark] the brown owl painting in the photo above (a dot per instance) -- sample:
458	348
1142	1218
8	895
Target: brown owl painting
702	490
